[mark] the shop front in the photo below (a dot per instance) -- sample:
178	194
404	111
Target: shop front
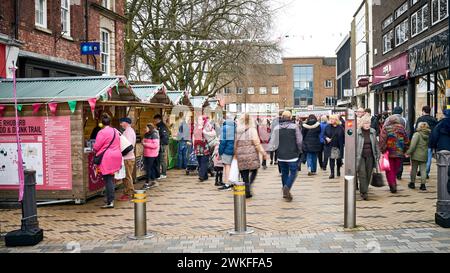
390	85
428	62
58	122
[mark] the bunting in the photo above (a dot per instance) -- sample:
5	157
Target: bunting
36	107
72	105
53	106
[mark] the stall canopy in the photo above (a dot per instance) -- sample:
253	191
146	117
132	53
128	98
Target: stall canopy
179	98
48	90
153	93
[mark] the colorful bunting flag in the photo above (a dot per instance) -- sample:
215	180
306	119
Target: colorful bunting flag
36	107
19	107
110	92
2	110
72	105
92	103
53	106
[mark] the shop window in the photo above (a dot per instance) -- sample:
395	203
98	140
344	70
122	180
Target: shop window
439	10
40	8
401	33
387	41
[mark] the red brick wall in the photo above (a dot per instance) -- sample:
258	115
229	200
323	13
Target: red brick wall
38	41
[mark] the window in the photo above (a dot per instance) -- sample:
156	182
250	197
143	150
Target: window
328	84
105	3
439	10
413	2
104	51
263	90
239	90
275	90
227	90
65	17
251	90
387	41
330	101
401	10
40	8
419	21
303	85
401	33
388	21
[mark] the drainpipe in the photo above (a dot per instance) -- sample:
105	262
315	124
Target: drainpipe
16	20
86	21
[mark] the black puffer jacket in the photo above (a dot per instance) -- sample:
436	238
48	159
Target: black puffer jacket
311	136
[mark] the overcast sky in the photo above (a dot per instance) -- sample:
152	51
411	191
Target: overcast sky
314	27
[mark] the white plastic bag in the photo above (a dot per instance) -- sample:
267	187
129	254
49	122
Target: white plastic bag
234	172
121	173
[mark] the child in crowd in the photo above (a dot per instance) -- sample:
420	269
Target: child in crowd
418	151
218	167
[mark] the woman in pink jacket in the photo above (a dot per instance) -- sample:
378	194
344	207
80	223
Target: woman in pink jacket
151	152
108	143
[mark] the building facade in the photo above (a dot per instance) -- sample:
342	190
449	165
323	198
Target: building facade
410	55
43	37
296	84
344	84
361	52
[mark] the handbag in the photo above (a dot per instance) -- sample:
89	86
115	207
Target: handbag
384	162
98	158
335	153
125	145
377	179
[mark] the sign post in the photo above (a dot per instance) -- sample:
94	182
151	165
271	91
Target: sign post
350	170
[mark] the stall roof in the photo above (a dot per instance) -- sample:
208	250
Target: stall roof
155	93
64	89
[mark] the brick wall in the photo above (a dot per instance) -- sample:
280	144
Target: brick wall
49	41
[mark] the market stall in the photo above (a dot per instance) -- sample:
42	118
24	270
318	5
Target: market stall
59	119
156	101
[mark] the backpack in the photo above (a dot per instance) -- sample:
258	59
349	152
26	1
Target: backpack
164	135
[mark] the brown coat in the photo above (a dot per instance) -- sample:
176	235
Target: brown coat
247	149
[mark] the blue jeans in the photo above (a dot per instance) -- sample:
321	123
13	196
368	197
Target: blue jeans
182	154
203	163
311	159
430	158
288	173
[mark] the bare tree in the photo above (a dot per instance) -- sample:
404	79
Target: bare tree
200	67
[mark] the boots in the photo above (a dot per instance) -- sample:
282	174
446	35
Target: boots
248	193
393	188
338	171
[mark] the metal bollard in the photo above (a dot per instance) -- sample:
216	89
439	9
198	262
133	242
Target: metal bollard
442	216
30	234
350	202
140	216
240	214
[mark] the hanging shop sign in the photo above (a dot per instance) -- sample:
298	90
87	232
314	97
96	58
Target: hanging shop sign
429	56
90	48
390	69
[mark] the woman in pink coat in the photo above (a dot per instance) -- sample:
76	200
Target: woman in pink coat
151	151
108	141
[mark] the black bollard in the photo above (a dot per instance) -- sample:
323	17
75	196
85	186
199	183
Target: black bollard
29	234
442	216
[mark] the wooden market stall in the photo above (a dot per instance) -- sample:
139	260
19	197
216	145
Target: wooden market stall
156	102
59	118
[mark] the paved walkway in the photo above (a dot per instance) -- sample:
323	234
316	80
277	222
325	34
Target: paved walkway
390	241
182	206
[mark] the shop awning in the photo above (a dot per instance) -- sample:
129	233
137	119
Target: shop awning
47	90
154	93
389	84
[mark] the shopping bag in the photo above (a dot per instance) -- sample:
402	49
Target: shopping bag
234	172
384	162
125	145
121	173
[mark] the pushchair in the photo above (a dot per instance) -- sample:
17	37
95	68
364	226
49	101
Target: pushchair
192	163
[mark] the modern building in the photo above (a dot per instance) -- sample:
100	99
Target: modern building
304	83
361	56
344	84
43	37
410	55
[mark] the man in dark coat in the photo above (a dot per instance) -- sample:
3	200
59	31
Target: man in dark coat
311	143
440	138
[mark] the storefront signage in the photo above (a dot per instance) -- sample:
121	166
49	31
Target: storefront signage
430	56
395	67
90	48
364	82
46	148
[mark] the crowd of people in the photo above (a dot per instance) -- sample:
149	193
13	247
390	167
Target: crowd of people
288	142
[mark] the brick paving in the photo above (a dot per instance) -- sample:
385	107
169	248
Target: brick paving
182	206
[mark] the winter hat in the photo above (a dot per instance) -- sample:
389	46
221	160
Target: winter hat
398	110
127	120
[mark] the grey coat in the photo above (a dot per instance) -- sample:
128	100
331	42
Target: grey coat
360	145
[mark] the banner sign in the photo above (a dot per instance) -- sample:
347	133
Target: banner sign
46	148
430	56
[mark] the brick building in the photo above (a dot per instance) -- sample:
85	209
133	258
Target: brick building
44	37
296	83
410	55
